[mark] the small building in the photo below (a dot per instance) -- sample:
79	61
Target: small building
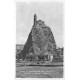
48	56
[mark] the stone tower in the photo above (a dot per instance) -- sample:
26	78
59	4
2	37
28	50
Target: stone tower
35	19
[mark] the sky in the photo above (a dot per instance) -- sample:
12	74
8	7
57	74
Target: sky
49	12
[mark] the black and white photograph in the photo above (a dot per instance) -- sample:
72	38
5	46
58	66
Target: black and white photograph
39	40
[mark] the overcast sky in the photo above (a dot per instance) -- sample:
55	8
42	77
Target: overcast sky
50	12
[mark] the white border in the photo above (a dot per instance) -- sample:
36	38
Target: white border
39	0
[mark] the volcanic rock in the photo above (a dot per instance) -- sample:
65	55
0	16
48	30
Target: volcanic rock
40	40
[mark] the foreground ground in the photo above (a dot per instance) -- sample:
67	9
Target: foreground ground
33	71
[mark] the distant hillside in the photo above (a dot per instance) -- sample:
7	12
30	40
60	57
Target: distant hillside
19	47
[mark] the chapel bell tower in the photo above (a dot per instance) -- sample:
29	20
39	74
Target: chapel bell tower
35	19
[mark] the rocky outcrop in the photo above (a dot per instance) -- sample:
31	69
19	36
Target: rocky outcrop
40	41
